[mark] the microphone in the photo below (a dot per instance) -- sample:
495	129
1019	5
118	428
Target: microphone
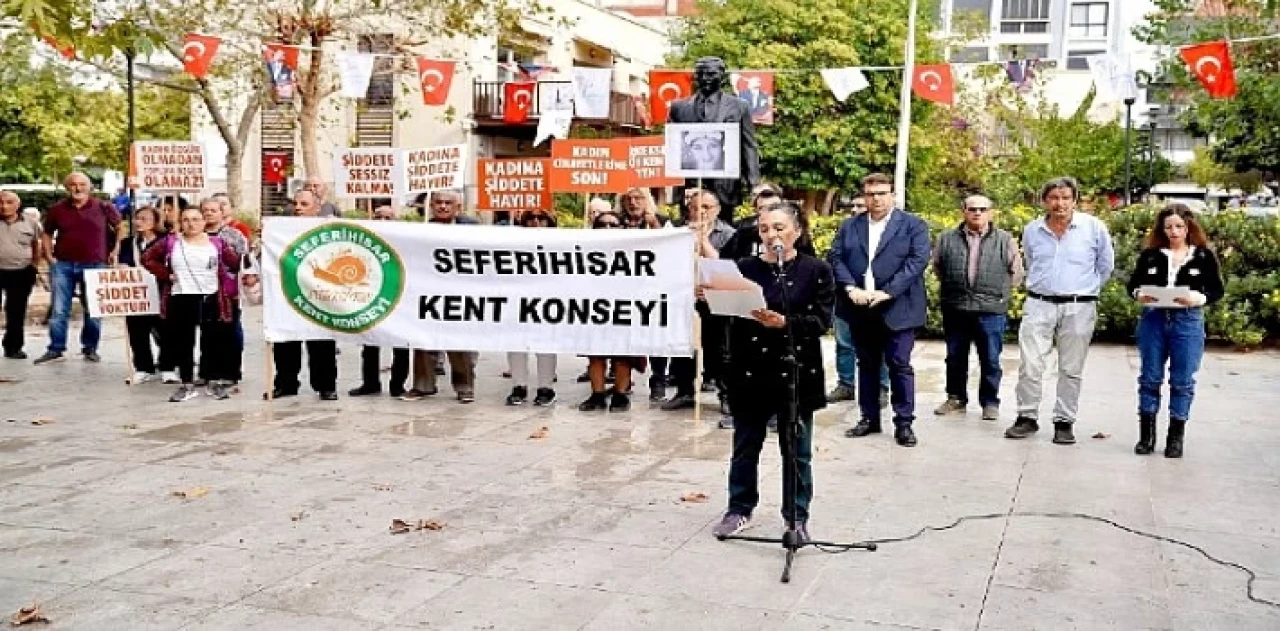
778	249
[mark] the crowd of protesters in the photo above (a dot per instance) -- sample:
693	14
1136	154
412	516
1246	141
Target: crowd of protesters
205	265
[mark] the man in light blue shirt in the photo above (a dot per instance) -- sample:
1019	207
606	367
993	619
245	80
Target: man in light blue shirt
1068	258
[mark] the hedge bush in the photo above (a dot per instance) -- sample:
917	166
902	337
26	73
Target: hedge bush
1249	248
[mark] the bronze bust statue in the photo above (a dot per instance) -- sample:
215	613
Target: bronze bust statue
712	104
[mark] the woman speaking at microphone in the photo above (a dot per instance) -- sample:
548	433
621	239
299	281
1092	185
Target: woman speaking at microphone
799	296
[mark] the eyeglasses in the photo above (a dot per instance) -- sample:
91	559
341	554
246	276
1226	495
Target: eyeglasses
878	193
977	209
609	224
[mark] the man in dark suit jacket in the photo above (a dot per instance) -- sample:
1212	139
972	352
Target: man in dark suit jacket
879	259
713	105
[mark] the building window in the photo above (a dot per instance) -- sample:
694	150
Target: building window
1089	19
1024	16
966	14
1023	51
1177	140
973	54
1079	59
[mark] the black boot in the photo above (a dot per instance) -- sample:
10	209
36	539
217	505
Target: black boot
1173	443
1146	434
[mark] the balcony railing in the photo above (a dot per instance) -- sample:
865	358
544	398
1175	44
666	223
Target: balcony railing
487	99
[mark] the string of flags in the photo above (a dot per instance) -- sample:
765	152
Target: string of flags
1211	63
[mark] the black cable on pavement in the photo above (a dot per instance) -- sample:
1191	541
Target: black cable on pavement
1085	516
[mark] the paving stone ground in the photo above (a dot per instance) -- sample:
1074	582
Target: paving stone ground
585	528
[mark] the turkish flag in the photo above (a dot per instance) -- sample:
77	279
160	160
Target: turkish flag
68	52
275	167
517	99
434	77
665	88
1211	64
198	52
934	82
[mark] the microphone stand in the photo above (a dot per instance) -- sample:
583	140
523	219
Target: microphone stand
792	429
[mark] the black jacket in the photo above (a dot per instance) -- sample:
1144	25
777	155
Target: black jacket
1201	273
756	373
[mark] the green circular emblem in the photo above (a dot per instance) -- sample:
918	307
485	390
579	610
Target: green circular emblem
342	277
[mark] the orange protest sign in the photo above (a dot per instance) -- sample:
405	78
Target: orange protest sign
648	163
513	184
590	166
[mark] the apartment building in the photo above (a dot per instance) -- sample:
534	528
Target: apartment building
392	114
1062	34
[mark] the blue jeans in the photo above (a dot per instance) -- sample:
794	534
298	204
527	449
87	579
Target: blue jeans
847	358
65	278
1176	337
984	331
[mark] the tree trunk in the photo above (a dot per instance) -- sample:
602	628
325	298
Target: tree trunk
235	176
308	120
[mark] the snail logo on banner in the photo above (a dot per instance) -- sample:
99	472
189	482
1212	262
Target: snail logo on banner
342	277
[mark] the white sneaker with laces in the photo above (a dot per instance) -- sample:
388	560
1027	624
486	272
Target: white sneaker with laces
142	377
169	376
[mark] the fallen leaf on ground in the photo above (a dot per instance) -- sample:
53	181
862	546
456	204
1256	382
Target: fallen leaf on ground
540	433
694	498
43	420
8	380
383	487
129	426
1102	436
298	516
29	615
199	491
400	526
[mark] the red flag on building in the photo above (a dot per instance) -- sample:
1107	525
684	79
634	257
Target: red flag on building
275	167
934	82
435	76
665	88
282	69
1211	64
517	100
198	52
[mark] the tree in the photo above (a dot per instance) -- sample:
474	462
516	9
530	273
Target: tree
816	142
1242	128
48	120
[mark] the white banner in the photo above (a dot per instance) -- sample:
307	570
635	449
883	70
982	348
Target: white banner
365	173
591	92
434	169
355	70
479	288
120	292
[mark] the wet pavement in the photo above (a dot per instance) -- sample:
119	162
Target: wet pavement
123	511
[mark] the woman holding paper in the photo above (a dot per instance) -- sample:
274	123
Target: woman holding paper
799	297
196	273
1176	276
147	227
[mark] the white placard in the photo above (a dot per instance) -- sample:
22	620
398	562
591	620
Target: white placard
117	292
434	169
479	288
1164	296
703	150
368	173
735	302
166	166
591	92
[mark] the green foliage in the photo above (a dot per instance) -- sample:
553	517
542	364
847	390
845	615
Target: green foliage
1248	247
47	119
1242	128
816	142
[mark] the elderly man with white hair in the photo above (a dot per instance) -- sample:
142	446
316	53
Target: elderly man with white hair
977	265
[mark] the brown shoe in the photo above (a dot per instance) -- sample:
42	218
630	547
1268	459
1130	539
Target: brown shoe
951	406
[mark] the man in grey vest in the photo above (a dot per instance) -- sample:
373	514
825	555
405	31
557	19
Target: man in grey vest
977	265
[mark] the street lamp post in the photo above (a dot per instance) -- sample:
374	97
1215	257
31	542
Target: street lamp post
1128	150
132	132
904	114
1151	155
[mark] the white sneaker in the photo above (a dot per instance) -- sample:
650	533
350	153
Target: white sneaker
185	392
142	377
169	376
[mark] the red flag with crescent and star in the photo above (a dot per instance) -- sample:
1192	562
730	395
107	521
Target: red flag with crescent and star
665	88
434	77
197	53
517	99
934	82
275	167
1211	64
